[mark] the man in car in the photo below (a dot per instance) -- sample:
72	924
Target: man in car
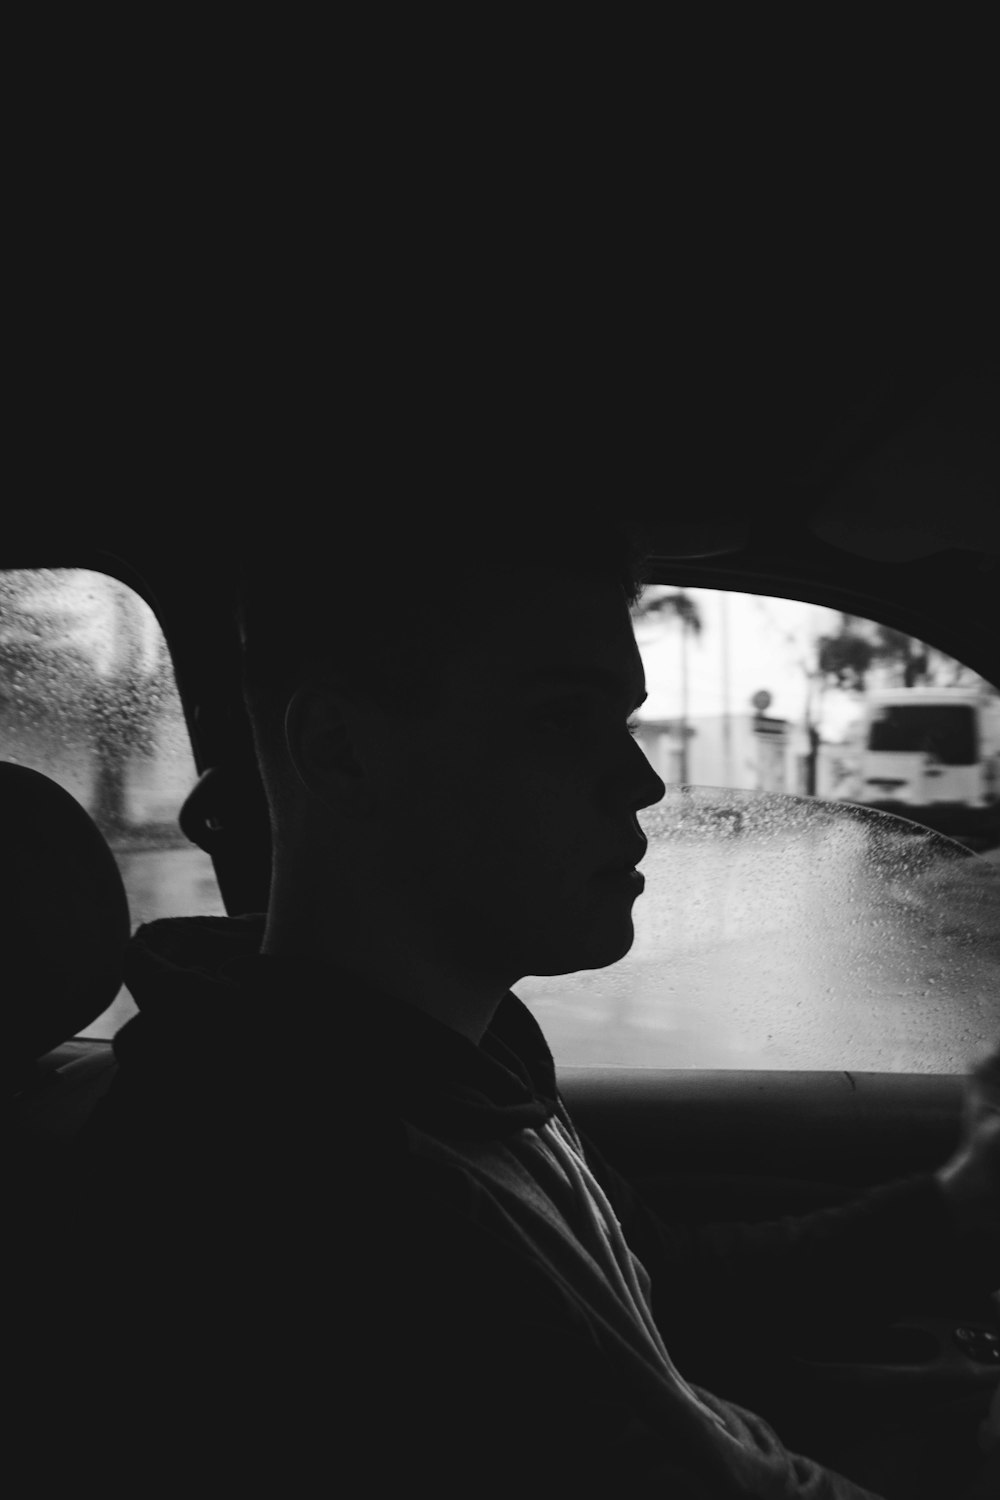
363	1230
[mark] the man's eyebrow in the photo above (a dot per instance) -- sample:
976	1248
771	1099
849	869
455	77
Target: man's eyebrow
611	683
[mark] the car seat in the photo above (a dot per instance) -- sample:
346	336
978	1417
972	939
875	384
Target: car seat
65	926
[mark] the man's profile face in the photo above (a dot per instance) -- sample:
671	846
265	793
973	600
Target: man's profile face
507	824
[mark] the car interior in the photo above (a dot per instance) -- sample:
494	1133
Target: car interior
865	483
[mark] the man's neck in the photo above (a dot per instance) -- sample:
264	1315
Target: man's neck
455	997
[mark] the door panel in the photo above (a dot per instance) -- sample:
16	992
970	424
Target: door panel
848	1131
706	1147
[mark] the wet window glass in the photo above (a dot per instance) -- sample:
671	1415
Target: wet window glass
786	932
88	697
823	875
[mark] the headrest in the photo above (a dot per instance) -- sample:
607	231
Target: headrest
63	915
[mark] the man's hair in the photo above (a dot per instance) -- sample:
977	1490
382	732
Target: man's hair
376	605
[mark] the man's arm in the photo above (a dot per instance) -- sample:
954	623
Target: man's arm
970	1180
501	1379
874	1256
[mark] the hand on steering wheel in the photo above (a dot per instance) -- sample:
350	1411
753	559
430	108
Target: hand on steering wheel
971	1178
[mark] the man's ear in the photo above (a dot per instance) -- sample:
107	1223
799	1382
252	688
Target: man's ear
321	741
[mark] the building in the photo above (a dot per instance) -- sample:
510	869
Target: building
746	750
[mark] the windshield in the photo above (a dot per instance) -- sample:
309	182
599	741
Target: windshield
945	730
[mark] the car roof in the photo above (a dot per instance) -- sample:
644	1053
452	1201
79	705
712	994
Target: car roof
844	469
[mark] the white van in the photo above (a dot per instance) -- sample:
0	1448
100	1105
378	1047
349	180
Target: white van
933	754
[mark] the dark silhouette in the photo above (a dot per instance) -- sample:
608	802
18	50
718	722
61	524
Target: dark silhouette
375	1245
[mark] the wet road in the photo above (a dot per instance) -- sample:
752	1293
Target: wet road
801	951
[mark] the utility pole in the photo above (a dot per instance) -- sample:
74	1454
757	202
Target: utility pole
811	726
684	700
727	722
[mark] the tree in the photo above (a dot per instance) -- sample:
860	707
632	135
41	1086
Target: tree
43	669
845	659
119	704
677	605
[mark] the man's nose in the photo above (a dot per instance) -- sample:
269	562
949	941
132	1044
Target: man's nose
654	788
647	787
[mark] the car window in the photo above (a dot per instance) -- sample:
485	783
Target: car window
789	932
780	696
88	697
789	919
823	874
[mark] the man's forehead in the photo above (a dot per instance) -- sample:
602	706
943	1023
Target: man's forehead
573	629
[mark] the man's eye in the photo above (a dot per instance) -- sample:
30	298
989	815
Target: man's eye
570	714
576	715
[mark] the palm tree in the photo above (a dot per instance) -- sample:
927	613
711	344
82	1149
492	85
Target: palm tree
679	606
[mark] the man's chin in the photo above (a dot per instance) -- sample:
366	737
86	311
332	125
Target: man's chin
598	952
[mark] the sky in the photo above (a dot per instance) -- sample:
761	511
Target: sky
769	643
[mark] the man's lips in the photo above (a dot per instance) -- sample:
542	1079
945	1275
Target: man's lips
625	862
